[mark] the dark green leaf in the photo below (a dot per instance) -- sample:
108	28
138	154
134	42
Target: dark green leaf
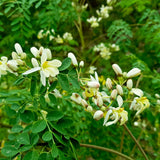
39	126
23	138
15	106
54	151
17	129
34	138
47	136
9	151
65	64
63	80
53	86
25	148
33	155
54	115
52	98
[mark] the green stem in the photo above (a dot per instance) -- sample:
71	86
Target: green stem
137	143
107	150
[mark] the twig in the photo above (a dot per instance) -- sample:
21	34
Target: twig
137	143
107	150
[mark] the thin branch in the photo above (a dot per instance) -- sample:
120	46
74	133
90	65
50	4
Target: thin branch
107	150
137	143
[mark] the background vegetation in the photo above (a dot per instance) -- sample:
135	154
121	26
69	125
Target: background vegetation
134	25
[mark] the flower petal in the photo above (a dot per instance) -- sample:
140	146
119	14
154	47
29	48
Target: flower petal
43	78
32	70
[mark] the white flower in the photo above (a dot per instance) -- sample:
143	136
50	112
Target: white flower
104	11
57	93
157	95
94	83
105	97
67	36
117	69
98	115
59	40
84	103
85	6
92	69
40	34
103	51
116	114
94	21
3	66
139	104
133	72
76	98
47	68
73	59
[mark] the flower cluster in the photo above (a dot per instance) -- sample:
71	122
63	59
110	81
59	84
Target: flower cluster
110	101
102	13
52	36
104	51
41	62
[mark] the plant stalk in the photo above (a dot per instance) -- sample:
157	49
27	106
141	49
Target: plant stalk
107	150
137	143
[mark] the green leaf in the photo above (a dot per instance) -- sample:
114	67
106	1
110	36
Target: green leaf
17	129
19	81
27	116
39	126
43	89
63	80
33	155
9	151
74	82
65	123
65	64
25	148
52	98
54	115
42	101
23	138
53	86
33	85
15	106
47	136
54	151
45	156
34	139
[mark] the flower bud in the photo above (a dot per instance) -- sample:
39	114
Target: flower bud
35	52
129	84
93	84
103	108
76	98
117	69
133	72
14	55
119	100
18	48
20	62
157	95
119	89
89	109
98	115
84	103
81	64
137	92
99	100
109	83
114	94
23	55
73	58
48	53
34	62
13	65
158	101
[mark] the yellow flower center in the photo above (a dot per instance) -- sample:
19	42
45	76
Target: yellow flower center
0	63
45	65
